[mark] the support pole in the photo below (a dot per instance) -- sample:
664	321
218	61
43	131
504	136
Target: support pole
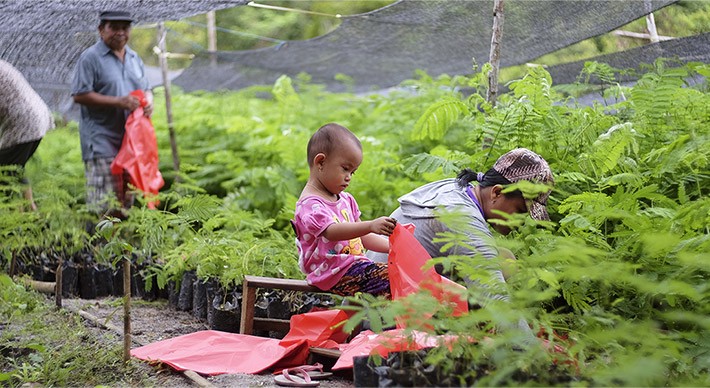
495	51
13	263
126	309
639	35
212	36
58	285
651	26
650	22
168	103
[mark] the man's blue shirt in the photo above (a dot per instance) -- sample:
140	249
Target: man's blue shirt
99	70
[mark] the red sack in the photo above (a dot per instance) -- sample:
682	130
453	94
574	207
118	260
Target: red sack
322	329
139	152
212	352
367	343
406	259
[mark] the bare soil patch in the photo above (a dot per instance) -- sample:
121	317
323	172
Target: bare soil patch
156	321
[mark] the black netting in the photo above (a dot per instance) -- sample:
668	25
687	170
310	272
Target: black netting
678	51
384	47
44	38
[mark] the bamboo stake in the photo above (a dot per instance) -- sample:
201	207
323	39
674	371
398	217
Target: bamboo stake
13	263
495	51
98	322
651	26
197	379
212	37
640	35
58	286
126	309
168	103
43	287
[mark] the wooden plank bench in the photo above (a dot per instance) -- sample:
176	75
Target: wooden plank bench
251	283
248	322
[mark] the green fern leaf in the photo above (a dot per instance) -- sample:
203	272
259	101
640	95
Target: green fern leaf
198	208
437	119
284	92
424	163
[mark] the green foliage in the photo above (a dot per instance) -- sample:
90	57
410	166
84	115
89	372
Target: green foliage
438	118
211	236
620	271
58	187
620	274
14	299
48	349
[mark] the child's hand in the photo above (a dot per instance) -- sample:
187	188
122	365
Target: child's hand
383	225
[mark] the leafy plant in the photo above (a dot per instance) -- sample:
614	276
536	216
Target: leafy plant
618	273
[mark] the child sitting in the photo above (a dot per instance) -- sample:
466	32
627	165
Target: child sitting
331	238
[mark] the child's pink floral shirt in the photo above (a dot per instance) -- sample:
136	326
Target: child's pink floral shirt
324	262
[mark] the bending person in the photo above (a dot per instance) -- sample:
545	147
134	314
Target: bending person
24	120
481	198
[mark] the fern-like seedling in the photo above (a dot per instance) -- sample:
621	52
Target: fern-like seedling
437	119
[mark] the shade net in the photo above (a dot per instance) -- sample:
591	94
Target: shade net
676	51
384	47
44	38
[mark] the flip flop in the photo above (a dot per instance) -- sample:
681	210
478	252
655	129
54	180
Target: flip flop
288	380
315	371
315	375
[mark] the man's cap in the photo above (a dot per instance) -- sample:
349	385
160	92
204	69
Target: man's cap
116	16
522	164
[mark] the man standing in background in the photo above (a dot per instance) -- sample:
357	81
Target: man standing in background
105	75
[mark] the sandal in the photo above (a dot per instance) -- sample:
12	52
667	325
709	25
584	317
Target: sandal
287	379
315	371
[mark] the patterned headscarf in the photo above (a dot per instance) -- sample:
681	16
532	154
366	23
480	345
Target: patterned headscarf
522	164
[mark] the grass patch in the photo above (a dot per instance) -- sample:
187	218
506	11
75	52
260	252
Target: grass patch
49	347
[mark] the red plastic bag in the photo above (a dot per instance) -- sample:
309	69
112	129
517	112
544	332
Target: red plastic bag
212	352
322	329
367	343
139	152
406	259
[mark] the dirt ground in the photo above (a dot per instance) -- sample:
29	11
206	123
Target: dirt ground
156	321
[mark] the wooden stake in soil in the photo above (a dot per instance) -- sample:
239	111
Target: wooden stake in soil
13	263
495	52
126	309
58	285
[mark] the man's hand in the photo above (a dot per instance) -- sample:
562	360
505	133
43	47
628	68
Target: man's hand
383	225
148	109
129	103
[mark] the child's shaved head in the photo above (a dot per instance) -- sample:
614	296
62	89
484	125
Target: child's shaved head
327	139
